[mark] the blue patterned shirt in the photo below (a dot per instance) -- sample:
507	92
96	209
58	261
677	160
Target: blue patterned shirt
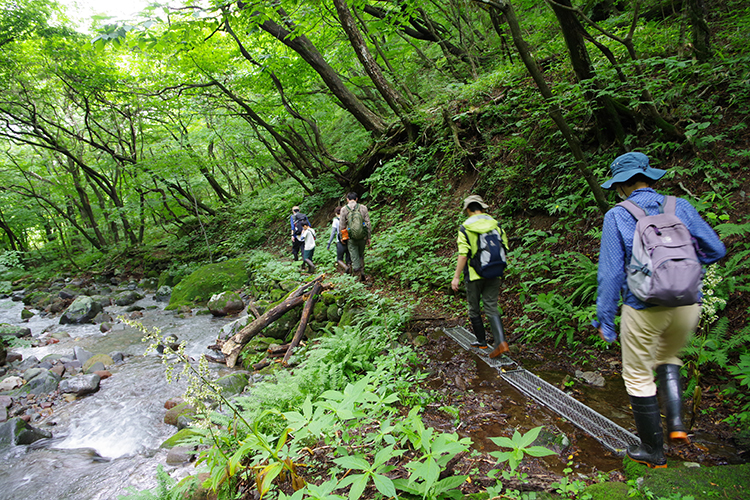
617	248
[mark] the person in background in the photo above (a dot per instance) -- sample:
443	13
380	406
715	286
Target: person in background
308	238
651	335
343	260
478	288
296	241
355	219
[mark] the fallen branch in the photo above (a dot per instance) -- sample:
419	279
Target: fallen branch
234	344
306	312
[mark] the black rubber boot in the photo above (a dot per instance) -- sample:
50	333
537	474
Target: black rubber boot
501	345
478	326
648	422
670	391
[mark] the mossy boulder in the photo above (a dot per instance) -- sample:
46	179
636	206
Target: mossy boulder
202	284
332	313
104	359
350	316
226	304
38	299
7	330
233	384
281	328
181	410
320	312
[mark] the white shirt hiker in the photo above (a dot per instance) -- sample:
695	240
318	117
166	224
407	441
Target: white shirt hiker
308	236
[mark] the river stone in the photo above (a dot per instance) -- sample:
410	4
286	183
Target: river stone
82	310
27	363
10	383
127	298
26	315
117	357
102	359
102	317
226	304
81	355
96	366
180	455
32	372
44	383
232	384
17	432
80	384
592	378
235	326
173	414
163	293
60	335
7	330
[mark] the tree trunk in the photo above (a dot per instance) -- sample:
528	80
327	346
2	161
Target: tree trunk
554	110
303	321
701	33
395	100
307	51
605	111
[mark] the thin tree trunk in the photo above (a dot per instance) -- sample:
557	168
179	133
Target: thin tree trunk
395	100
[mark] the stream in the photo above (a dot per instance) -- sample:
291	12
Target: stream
109	441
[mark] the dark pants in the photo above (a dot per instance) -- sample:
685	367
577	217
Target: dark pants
342	253
296	247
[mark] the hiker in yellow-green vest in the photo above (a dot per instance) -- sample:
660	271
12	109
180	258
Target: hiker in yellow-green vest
477	287
355	223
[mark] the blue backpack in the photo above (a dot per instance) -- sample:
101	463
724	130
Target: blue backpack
491	259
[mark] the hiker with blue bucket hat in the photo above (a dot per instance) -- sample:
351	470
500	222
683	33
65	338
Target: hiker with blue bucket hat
652	251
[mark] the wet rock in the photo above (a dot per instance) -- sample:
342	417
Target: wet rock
27	363
163	294
3	353
60	335
103	374
102	317
127	298
80	384
333	313
26	315
182	409
11	383
101	359
235	326
17	432
226	304
172	402
233	384
58	369
82	310
94	367
179	455
81	355
43	383
18	295
105	327
7	330
592	378
117	357
68	293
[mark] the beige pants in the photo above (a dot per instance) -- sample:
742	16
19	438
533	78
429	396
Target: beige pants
652	337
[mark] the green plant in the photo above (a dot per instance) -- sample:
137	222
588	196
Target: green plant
374	472
520	446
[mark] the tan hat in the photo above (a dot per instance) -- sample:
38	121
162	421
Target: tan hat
475	198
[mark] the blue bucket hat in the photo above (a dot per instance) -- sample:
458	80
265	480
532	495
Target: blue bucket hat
626	166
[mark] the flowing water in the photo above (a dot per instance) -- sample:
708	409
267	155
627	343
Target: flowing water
109	441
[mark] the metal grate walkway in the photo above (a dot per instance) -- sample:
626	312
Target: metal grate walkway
609	434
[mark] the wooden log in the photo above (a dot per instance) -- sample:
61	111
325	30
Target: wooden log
278	350
251	307
233	345
261	365
306	312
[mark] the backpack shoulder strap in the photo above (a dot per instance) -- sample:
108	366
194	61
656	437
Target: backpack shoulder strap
466	235
634	209
670	205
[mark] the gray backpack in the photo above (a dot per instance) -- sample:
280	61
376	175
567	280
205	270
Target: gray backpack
664	269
